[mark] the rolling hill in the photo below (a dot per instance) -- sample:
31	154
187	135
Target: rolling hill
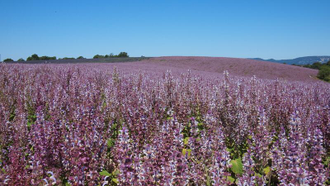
300	60
205	66
209	66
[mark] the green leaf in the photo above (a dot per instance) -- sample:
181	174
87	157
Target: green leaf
185	141
208	180
267	170
105	173
3	170
186	151
231	179
326	162
200	126
115	172
115	180
259	175
237	166
169	118
29	124
110	142
12	116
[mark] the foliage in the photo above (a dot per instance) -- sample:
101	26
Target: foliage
65	58
324	73
36	57
324	70
237	166
20	59
123	54
47	58
8	60
97	56
33	57
96	125
316	65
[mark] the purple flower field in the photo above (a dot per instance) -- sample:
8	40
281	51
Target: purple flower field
157	123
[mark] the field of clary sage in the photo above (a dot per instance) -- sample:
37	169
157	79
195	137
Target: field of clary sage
97	125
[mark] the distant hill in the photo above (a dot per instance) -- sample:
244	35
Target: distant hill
98	60
213	66
300	60
207	67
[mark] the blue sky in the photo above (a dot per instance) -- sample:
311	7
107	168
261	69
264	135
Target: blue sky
277	29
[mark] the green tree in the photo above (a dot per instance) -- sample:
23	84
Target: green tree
33	57
43	58
8	60
80	57
68	58
324	73
20	59
316	65
123	54
97	56
328	63
47	58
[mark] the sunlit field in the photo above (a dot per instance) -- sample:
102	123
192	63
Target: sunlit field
98	124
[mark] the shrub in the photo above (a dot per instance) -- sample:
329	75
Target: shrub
97	56
65	58
316	65
20	59
328	63
47	58
33	57
324	73
123	54
307	66
8	60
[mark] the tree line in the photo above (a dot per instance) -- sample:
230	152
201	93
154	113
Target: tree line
324	70
121	54
35	57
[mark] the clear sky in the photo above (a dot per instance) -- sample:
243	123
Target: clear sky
277	29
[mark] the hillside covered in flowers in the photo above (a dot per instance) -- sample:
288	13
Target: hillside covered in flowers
98	124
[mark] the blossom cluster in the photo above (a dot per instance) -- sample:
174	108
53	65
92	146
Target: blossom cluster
80	125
